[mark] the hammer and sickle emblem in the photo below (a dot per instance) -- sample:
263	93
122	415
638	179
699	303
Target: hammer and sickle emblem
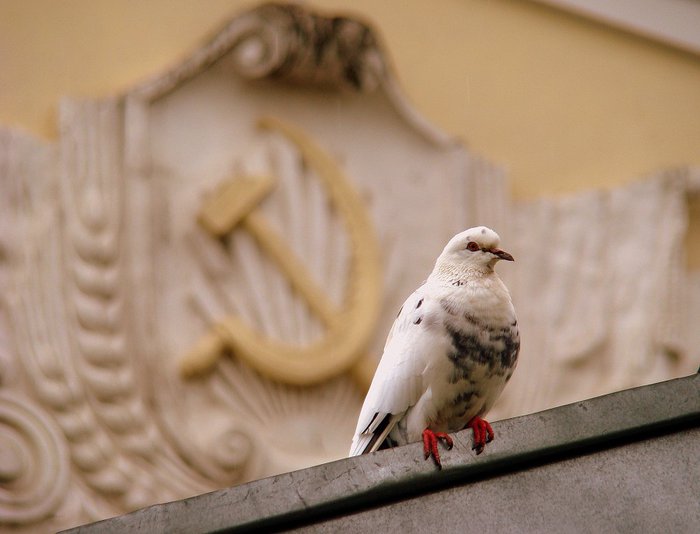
347	330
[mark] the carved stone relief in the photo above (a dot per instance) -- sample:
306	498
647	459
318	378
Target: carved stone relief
604	298
137	306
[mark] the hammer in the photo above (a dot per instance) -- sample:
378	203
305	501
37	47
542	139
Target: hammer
234	204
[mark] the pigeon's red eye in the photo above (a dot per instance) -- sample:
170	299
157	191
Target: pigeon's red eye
473	246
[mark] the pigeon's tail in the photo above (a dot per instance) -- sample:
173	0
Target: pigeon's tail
375	436
359	445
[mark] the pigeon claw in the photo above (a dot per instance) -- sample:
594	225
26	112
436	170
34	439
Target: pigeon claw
430	444
483	433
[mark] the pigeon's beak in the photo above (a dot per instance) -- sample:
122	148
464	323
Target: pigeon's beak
501	254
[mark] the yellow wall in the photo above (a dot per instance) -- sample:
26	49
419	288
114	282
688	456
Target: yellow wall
564	103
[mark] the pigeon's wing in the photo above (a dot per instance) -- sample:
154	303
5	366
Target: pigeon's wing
398	382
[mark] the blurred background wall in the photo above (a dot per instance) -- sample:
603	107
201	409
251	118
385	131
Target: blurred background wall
564	102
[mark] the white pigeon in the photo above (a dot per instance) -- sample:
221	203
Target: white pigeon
450	352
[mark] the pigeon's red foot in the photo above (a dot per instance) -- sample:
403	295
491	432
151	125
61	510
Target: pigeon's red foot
430	444
483	433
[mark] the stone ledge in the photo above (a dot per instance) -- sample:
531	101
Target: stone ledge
312	496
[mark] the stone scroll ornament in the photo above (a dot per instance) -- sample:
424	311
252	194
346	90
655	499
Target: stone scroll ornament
290	43
169	225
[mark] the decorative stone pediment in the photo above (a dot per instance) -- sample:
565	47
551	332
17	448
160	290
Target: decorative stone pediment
198	277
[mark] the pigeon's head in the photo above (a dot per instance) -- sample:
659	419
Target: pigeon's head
476	247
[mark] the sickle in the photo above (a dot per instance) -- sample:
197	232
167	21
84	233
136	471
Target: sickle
348	331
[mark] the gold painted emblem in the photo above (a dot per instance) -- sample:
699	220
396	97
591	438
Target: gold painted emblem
348	329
